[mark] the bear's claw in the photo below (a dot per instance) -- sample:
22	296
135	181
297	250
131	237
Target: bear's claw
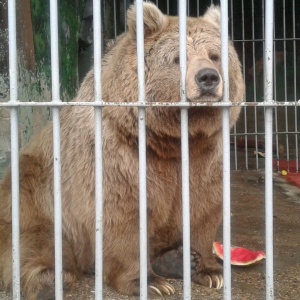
155	289
215	281
220	282
162	289
212	278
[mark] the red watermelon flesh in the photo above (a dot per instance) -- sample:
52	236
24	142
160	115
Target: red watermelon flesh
239	256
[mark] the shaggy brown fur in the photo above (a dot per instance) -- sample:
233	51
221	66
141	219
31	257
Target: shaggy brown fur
120	159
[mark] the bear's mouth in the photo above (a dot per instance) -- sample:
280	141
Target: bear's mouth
206	97
208	94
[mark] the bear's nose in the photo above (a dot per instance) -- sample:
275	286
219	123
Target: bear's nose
207	79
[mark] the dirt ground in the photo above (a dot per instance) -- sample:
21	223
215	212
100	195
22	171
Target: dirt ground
248	230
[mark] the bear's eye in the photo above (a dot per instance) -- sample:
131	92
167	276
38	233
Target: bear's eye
176	60
214	57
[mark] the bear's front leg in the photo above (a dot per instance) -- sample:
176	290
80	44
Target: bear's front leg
206	270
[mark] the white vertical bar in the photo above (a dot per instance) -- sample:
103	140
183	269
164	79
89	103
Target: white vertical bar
235	127
142	150
115	19
275	97
268	97
56	151
244	76
13	81
98	152
295	86
184	156
254	82
125	15
285	89
226	153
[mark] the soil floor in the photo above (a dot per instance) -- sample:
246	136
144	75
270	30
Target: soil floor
248	230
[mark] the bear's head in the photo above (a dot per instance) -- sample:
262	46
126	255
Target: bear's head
204	81
203	77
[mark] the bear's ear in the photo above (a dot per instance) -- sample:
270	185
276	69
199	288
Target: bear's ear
213	15
154	19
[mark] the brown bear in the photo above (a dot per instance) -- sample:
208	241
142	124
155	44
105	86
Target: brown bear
120	164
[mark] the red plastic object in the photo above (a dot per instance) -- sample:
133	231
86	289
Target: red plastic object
290	167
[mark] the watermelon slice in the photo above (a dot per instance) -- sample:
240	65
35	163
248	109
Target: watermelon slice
239	256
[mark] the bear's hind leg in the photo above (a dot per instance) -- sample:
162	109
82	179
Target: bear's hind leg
38	263
5	252
122	266
124	283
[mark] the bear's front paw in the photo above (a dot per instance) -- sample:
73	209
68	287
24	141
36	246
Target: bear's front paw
211	277
170	264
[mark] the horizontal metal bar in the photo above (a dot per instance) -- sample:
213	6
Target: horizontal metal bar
152	104
262	40
263	133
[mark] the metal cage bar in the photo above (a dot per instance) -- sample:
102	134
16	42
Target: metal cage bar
235	127
56	151
226	152
15	195
285	87
98	152
268	96
295	87
244	76
254	82
142	150
275	97
153	104
269	104
184	155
